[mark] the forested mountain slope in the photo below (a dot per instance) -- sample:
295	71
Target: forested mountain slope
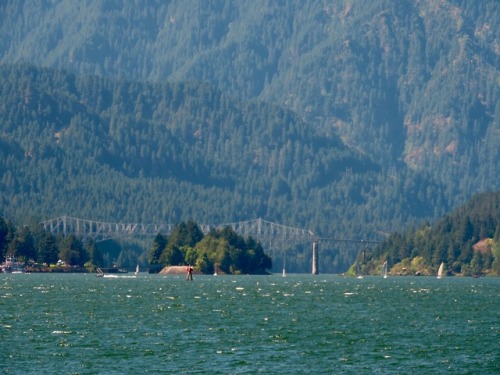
131	152
466	240
413	84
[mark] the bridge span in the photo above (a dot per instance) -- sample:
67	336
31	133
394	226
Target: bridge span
273	237
270	235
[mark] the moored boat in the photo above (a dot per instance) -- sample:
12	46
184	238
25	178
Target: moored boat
12	265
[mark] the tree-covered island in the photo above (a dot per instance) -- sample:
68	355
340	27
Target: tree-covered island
221	250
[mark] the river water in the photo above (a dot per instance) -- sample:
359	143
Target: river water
299	324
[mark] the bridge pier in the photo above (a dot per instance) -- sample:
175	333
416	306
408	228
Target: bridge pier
315	269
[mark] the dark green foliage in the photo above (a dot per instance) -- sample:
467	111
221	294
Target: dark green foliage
32	244
47	250
185	234
22	246
28	243
466	240
183	237
117	253
221	250
95	256
399	80
235	254
156	250
5	236
218	160
72	251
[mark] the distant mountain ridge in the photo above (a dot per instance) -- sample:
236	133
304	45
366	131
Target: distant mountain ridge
218	160
413	84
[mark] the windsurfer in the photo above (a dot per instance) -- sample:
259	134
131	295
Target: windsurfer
189	274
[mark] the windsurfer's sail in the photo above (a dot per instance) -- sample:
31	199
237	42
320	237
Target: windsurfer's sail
358	271
440	271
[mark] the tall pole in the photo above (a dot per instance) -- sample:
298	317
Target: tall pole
315	269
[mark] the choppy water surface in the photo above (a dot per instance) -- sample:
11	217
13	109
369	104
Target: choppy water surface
81	324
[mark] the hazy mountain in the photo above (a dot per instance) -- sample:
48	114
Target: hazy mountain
413	82
351	118
118	150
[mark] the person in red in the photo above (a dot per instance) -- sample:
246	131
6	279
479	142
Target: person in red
189	275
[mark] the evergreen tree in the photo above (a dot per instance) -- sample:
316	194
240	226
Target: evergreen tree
47	249
4	231
72	251
23	245
156	250
95	256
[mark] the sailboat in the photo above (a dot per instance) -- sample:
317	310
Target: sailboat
137	270
440	271
358	271
284	269
385	270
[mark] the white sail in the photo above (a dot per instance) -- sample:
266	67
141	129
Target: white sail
137	270
358	271
385	270
440	271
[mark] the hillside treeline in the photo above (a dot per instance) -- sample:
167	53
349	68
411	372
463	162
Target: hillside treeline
411	84
120	151
31	244
467	240
220	251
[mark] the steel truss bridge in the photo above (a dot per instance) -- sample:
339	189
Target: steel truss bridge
272	236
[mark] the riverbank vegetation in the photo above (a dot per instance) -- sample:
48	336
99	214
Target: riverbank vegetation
467	241
221	250
41	251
